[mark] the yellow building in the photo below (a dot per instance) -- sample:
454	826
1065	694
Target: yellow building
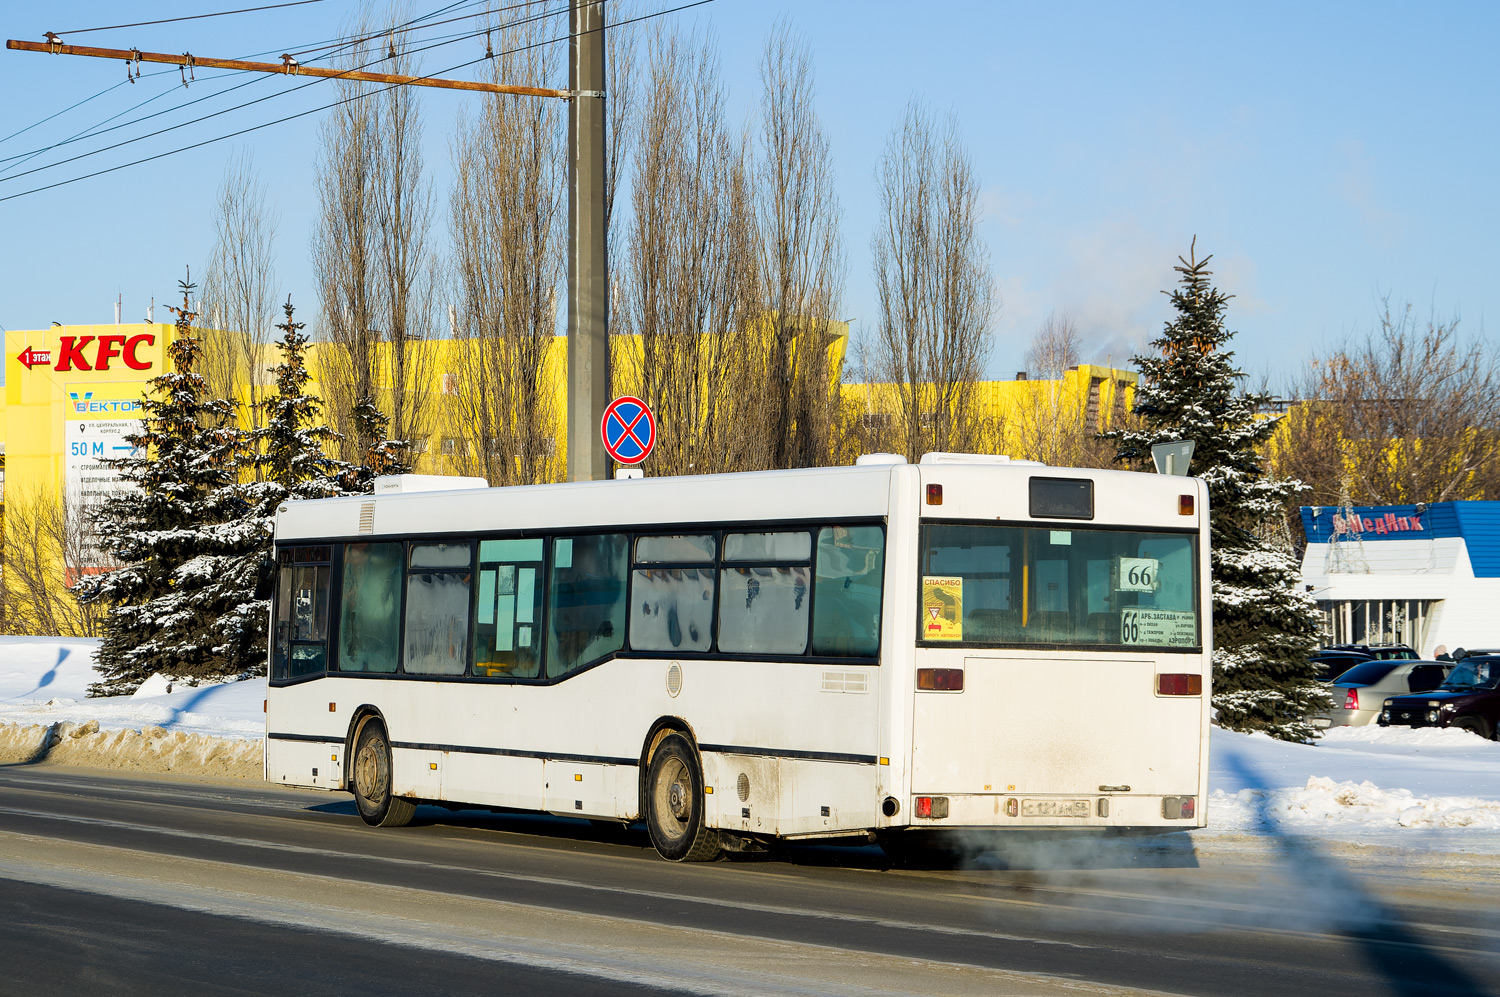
73	392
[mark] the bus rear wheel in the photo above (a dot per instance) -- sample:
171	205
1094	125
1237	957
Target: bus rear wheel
371	780
674	804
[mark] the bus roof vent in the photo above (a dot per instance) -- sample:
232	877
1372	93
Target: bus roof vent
867	459
367	517
391	484
939	457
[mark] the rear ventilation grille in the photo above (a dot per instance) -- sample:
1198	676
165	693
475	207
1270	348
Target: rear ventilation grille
846	682
367	517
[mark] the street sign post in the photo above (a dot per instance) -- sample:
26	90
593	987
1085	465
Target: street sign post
1172	458
629	430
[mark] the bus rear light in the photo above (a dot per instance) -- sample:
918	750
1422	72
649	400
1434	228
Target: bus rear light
934	494
934	807
1178	807
1012	807
1176	684
1184	505
1351	699
941	679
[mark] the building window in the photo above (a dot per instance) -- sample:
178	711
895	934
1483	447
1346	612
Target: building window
455	446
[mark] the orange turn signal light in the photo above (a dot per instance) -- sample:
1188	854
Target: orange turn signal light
1184	505
934	494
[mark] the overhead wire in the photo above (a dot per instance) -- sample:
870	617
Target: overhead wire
321	48
337	103
189	17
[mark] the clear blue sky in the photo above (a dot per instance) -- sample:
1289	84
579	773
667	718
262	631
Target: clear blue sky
1325	154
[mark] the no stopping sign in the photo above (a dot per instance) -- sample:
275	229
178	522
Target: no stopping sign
628	429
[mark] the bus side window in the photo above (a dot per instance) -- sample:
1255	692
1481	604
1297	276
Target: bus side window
586	601
846	591
508	609
437	609
370	609
301	645
763	607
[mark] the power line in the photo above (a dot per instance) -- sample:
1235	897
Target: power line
190	17
337	103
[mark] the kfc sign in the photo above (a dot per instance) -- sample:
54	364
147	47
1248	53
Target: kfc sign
89	353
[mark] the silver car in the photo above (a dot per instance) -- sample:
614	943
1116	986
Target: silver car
1359	692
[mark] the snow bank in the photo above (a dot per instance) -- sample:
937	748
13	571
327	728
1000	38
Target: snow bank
1354	779
45	715
153	749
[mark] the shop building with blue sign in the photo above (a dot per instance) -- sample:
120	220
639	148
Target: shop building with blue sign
1423	575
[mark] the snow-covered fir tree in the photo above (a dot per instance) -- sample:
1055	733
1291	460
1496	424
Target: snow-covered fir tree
289	459
1265	625
381	457
160	602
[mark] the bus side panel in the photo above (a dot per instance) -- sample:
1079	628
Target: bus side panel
303	763
493	780
418	772
583	789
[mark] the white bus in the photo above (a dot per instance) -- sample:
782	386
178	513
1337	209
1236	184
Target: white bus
965	644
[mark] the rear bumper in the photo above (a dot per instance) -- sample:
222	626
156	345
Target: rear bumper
1050	810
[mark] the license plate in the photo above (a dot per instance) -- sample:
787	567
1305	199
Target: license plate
1055	808
1321	722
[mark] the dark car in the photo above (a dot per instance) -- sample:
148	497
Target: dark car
1330	663
1469	699
1380	652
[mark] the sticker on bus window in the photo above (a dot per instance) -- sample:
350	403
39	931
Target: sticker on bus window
1158	627
942	608
1138	574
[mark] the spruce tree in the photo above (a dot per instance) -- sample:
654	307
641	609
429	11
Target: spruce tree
1265	626
287	458
159	528
381	457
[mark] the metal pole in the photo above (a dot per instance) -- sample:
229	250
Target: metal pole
588	273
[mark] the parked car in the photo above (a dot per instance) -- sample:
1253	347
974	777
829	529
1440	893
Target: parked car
1469	698
1380	652
1331	664
1360	693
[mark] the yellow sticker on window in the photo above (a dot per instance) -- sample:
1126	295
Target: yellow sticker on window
942	608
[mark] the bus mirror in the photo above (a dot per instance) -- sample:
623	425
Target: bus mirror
265	578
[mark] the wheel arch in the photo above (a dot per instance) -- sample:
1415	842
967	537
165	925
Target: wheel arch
662	728
362	714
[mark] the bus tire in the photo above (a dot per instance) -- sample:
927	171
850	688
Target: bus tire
371	780
674	804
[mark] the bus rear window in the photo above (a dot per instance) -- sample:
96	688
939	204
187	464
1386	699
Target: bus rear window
1007	585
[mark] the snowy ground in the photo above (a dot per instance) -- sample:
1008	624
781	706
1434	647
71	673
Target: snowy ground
1378	785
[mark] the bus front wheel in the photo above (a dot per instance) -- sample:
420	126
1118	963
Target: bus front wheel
674	804
377	806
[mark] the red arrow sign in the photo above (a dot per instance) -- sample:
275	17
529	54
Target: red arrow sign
31	357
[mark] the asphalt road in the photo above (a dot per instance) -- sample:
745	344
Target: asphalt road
113	884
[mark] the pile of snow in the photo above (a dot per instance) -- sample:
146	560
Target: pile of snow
45	712
1376	779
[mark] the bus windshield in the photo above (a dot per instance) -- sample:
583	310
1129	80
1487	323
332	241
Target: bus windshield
1026	585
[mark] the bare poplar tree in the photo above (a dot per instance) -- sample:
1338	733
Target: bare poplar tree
45	544
936	294
800	256
509	223
1414	411
371	256
1051	422
239	292
690	267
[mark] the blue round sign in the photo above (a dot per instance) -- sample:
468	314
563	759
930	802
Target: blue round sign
629	430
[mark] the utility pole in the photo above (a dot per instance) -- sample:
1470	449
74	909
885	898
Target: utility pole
588	267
